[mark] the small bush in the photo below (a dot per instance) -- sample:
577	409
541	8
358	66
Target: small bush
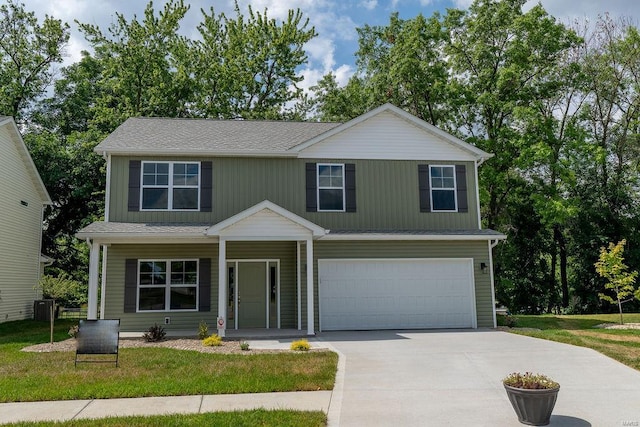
73	331
530	381
510	321
203	330
244	346
212	341
154	333
300	345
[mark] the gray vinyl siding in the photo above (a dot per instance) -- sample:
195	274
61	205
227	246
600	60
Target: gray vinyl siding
386	194
415	249
20	231
188	321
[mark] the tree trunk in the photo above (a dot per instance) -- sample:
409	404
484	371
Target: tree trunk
552	279
564	282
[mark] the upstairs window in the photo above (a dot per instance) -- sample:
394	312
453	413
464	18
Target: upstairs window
443	188
170	186
331	187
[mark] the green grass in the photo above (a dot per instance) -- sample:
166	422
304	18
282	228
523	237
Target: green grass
259	417
622	345
148	371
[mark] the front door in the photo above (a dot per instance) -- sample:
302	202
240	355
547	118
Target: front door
252	294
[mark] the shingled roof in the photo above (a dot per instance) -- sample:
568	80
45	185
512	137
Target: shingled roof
205	136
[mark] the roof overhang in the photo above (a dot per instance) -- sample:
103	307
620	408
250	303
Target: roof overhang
102	232
266	221
469	235
188	152
28	161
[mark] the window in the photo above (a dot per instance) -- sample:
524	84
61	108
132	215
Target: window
170	186
167	285
443	188
330	188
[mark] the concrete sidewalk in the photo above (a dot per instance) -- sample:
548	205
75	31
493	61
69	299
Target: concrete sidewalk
100	408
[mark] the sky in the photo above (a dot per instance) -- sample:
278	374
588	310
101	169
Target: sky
335	21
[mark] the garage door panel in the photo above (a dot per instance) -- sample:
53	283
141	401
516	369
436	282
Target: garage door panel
396	294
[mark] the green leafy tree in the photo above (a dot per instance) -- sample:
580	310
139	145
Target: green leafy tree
402	63
140	73
28	51
611	267
247	66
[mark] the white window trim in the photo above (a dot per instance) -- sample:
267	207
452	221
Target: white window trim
344	201
170	186
167	286
455	188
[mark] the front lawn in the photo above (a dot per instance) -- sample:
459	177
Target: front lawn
622	345
258	417
148	371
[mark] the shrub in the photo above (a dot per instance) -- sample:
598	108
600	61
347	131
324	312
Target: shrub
244	346
212	341
73	331
510	321
530	381
203	330
154	333
300	345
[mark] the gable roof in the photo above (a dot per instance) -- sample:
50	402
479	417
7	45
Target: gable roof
162	136
170	136
8	123
433	131
279	221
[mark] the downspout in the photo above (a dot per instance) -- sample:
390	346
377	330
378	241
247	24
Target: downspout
107	192
492	244
477	165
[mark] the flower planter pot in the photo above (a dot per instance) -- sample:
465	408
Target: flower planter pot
533	407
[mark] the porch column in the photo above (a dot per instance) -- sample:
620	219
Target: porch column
222	287
310	311
94	262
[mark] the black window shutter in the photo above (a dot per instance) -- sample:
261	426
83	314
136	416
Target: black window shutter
134	186
424	188
206	186
312	198
204	286
350	187
461	188
130	285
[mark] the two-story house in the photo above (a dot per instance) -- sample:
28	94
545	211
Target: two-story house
369	224
23	198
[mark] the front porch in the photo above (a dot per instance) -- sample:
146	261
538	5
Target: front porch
262	260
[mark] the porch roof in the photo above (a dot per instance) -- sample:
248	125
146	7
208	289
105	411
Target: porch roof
125	232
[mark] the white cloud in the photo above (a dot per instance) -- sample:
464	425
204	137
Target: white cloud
369	4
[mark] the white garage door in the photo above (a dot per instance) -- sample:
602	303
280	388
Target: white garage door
396	294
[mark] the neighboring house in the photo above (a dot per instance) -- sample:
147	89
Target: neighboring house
369	224
22	200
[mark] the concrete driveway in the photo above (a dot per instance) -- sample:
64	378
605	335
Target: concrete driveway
453	378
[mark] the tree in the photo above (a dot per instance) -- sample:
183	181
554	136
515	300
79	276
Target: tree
403	63
246	67
611	267
27	52
140	73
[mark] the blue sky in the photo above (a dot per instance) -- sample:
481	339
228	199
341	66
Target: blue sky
335	20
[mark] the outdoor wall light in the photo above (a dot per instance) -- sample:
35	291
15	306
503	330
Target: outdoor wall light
484	267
